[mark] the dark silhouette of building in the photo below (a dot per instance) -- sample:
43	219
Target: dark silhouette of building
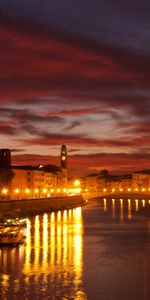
63	157
63	181
5	158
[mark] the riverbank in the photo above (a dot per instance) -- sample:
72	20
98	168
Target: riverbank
127	195
118	195
27	207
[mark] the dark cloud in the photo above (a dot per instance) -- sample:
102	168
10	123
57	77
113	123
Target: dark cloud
46	138
7	129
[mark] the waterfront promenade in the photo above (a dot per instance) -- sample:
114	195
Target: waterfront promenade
127	195
27	207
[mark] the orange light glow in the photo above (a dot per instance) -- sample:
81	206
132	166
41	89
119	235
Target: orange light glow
77	182
4	191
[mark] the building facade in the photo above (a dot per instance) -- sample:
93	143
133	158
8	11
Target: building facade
32	182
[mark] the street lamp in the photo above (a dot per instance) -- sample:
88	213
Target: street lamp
17	191
76	182
4	191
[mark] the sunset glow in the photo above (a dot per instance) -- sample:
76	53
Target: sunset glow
75	73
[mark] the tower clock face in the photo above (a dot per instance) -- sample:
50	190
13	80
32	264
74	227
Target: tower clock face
63	157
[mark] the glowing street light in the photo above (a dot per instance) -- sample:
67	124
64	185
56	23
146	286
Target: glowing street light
4	191
76	182
16	191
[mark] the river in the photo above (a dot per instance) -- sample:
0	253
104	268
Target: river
98	252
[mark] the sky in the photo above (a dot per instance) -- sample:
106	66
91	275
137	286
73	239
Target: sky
78	73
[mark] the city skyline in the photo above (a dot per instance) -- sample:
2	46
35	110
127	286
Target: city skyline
76	74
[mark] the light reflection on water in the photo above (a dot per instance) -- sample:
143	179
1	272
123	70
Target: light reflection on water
70	254
49	264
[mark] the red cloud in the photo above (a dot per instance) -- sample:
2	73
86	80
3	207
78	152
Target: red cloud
89	163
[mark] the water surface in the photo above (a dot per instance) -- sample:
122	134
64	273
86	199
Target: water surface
100	251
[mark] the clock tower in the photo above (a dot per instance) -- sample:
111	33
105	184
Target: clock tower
63	157
64	172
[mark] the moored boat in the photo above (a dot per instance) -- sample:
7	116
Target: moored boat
9	222
9	236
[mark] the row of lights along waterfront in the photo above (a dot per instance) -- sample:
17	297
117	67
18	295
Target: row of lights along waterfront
75	190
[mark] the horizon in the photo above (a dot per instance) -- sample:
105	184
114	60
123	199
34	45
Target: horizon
73	172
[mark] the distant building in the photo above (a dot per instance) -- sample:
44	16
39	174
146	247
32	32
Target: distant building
97	185
141	179
5	158
32	182
17	182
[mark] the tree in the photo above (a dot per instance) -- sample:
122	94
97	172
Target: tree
104	173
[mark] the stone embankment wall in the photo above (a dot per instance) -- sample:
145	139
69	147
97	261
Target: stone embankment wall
144	195
36	206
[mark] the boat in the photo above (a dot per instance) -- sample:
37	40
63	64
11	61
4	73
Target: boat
9	222
10	237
